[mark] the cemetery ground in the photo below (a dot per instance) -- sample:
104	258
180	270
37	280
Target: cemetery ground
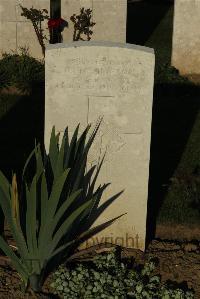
173	224
173	208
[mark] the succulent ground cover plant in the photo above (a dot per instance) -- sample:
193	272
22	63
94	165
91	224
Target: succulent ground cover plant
109	277
52	212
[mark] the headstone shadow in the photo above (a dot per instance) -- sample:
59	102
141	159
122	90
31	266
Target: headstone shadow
142	19
19	128
174	111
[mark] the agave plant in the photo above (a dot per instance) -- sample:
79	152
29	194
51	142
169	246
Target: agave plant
55	209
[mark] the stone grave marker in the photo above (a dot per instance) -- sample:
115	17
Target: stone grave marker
109	16
186	37
87	80
16	31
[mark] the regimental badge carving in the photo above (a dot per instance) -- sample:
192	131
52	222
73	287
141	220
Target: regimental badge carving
109	140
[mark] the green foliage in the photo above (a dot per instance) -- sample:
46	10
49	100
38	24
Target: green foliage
53	213
4	76
167	74
21	71
108	277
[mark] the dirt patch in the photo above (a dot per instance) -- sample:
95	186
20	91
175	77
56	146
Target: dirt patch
178	262
12	90
177	232
11	285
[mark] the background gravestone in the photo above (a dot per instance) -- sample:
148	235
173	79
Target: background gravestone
186	37
109	16
16	31
87	80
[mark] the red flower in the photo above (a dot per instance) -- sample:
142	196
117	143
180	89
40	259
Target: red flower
55	23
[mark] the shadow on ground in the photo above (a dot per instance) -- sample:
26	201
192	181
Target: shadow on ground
18	129
174	111
142	19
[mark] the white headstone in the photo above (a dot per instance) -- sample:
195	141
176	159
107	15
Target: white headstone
85	80
109	16
186	37
17	31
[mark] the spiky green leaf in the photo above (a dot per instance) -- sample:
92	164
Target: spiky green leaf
86	235
28	224
69	157
33	216
27	161
17	263
60	160
67	203
53	149
44	201
5	203
63	229
4	184
56	192
52	206
39	162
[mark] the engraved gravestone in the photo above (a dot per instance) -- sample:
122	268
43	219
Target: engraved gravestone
17	31
105	13
85	81
186	37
